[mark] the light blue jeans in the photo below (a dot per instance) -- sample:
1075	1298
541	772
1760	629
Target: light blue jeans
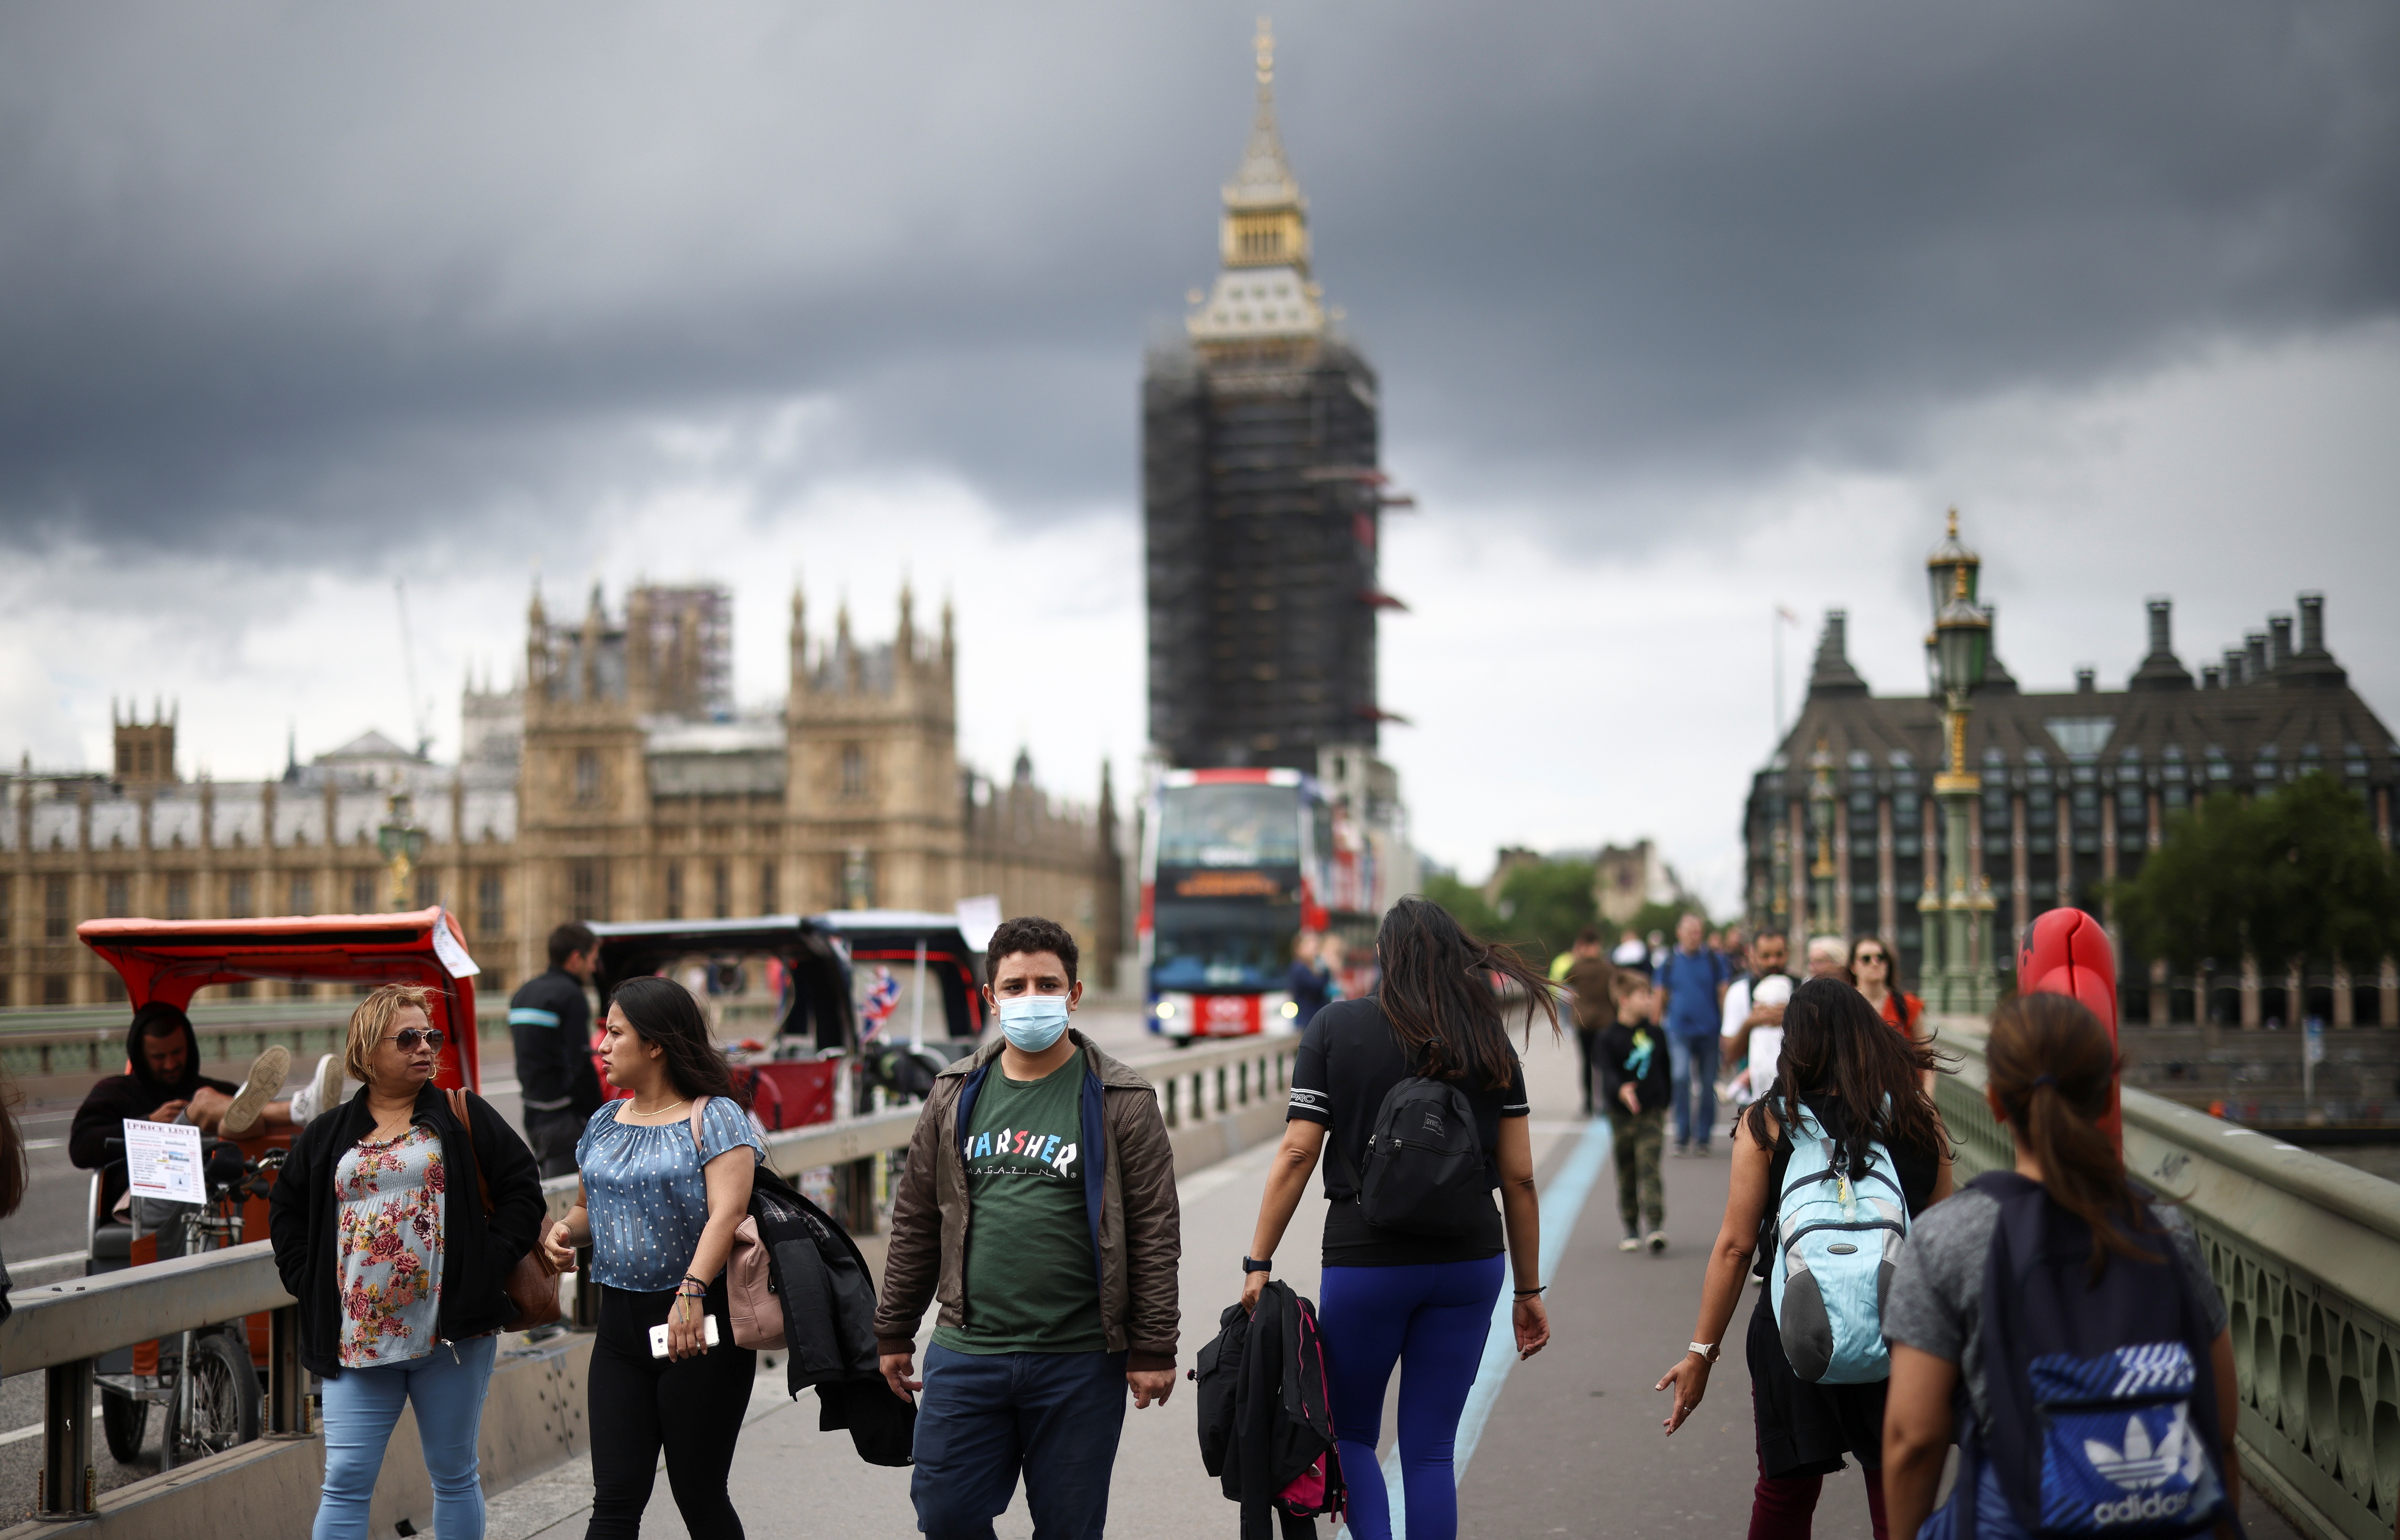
446	1386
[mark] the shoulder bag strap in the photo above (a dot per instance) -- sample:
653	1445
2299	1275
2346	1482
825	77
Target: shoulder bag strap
699	1149
457	1099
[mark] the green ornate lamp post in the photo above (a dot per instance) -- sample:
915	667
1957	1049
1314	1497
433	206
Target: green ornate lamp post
1822	920
402	843
1961	646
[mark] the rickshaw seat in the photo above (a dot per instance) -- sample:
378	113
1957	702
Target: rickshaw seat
111	1243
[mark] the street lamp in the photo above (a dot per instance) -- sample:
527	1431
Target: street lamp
402	843
1961	646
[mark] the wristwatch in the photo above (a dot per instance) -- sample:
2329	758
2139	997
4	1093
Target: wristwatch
1708	1351
1253	1264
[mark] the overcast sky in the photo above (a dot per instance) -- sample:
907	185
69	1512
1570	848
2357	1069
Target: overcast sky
1682	312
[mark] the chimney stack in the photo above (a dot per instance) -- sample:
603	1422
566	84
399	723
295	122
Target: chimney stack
2212	677
2086	680
2253	661
2313	623
2279	642
2160	670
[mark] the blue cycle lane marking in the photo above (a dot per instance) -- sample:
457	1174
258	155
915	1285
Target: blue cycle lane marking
1562	1204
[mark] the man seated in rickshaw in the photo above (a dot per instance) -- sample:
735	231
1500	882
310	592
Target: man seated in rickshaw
163	1083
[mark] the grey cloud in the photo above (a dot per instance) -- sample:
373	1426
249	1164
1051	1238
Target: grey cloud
273	269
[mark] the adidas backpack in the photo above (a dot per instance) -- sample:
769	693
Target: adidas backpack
2103	1398
1837	1238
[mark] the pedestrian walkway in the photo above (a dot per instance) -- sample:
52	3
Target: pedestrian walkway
1567	1437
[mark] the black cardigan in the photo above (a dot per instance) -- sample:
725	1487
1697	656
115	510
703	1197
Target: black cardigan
476	1255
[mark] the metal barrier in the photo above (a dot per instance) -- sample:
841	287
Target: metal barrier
63	1328
2307	1253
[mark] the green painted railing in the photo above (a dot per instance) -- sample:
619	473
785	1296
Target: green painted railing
2306	1252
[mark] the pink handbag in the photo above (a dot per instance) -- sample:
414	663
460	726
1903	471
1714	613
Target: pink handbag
751	1307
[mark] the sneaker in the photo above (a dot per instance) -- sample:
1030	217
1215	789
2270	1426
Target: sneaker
1630	1243
322	1093
267	1072
1657	1242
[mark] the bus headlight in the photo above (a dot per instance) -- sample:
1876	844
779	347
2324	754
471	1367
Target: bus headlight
1166	1009
1291	1008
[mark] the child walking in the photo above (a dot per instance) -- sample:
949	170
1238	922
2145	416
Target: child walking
1637	1082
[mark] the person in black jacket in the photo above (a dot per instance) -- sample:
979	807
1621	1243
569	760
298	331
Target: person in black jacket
1637	1085
162	1084
379	1232
551	1020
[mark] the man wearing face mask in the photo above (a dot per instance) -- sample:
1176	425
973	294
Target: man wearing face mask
1038	1208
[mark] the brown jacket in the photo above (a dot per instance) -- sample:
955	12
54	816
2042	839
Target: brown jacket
1139	1229
1593	980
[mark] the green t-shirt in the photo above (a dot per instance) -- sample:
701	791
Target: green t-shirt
1030	1283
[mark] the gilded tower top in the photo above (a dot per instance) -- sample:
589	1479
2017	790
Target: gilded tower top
1263	289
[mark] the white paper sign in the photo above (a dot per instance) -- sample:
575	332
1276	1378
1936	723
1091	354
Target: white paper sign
162	1160
979	917
454	957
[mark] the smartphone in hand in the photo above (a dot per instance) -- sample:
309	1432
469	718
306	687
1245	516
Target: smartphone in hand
659	1336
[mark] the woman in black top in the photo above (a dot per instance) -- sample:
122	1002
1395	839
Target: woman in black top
1839	1057
1393	1295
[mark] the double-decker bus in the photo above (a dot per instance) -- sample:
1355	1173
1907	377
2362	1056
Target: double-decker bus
1234	864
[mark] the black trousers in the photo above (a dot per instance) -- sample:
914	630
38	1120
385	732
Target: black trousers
552	1136
693	1407
1587	1043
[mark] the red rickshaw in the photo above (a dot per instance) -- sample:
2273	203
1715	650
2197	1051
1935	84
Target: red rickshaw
218	1403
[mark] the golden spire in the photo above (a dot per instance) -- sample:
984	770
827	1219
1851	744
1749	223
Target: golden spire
1263	290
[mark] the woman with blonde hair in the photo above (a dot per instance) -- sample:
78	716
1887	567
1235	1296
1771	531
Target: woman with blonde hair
379	1232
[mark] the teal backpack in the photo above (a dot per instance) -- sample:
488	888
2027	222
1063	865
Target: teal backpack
1837	1238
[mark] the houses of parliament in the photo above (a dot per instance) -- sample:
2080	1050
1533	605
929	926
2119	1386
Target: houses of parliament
616	781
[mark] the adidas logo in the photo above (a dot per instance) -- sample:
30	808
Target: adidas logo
2140	1465
2159	1505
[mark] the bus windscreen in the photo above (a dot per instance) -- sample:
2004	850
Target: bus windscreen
1229	824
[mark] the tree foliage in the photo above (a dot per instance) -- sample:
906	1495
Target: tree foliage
1542	905
2295	876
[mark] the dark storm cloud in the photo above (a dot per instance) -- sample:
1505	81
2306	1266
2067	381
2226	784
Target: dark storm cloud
270	271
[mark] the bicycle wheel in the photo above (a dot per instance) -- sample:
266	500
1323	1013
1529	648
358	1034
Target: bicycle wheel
226	1402
125	1419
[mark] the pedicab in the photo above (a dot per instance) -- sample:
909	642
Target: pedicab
209	1382
891	991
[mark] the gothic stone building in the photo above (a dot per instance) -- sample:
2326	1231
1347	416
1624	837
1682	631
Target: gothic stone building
2077	786
617	783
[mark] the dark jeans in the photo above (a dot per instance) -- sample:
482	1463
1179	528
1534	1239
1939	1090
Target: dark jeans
1586	1046
552	1136
985	1416
694	1407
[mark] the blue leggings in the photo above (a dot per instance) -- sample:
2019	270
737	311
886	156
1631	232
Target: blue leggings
1430	1318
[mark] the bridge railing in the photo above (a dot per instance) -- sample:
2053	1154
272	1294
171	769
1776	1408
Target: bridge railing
64	1329
2307	1253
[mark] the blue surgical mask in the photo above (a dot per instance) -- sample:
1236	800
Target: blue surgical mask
1034	1022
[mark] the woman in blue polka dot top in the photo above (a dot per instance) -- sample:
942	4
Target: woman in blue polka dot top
666	1178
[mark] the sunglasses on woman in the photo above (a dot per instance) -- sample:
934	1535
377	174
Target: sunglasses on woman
1871	956
411	1039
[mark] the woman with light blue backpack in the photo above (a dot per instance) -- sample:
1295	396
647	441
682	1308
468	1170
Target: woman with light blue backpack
1829	1167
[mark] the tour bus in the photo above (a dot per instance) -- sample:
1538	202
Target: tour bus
1234	864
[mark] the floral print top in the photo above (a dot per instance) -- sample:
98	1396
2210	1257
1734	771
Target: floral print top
389	1235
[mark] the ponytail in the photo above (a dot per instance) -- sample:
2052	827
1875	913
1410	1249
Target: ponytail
2051	1064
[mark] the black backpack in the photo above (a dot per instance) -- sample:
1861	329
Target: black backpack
1426	1172
2103	1398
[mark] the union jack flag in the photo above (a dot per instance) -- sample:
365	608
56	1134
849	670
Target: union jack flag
881	998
